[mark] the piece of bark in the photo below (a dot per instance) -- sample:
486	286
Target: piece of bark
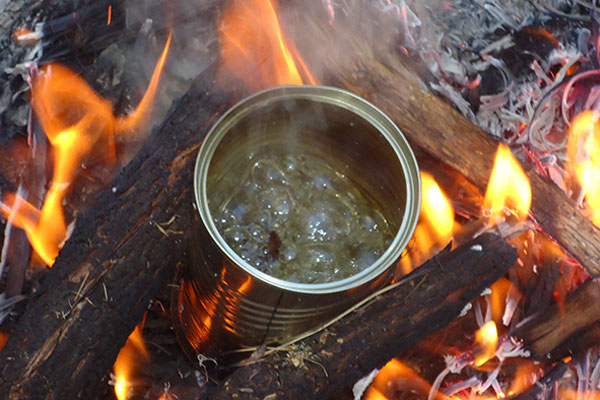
553	333
327	362
121	254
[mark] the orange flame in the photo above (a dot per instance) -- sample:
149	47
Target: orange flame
131	354
487	339
254	49
508	187
501	290
77	122
436	223
395	376
525	377
583	151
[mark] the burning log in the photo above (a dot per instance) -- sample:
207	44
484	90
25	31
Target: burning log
560	330
325	363
119	257
439	130
382	74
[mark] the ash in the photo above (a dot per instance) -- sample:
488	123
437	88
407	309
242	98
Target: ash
505	65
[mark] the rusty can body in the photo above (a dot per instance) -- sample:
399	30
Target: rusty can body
223	302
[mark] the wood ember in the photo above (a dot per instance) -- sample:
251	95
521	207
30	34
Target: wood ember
327	362
114	265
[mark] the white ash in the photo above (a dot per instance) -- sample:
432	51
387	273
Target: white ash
465	35
362	384
465	309
477	247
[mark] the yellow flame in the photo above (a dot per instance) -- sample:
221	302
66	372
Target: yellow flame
436	209
436	223
487	340
583	151
508	187
130	355
374	394
77	122
254	49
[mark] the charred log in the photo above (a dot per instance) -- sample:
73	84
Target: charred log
120	255
560	331
435	127
325	363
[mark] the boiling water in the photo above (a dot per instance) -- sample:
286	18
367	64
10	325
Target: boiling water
297	219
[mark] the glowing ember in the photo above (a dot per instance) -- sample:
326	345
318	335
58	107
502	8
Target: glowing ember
131	354
487	339
436	223
583	151
26	36
254	49
3	339
78	124
508	187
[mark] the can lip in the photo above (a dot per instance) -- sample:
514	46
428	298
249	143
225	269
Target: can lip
337	97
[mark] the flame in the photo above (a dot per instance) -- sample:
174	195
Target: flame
254	49
77	123
436	223
374	394
396	376
503	300
508	187
525	377
487	339
133	351
583	151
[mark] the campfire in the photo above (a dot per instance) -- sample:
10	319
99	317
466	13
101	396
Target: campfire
104	107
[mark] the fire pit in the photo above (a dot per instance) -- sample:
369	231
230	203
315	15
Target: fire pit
508	310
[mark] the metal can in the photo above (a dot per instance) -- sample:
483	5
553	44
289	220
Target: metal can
224	303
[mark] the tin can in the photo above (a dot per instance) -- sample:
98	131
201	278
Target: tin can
223	303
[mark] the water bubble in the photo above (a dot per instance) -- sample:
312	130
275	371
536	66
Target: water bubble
326	228
321	182
239	211
369	223
288	254
264	219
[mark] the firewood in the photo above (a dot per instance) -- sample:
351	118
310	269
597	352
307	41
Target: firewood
560	331
121	254
333	359
439	130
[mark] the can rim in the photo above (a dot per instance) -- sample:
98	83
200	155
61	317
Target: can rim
336	97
